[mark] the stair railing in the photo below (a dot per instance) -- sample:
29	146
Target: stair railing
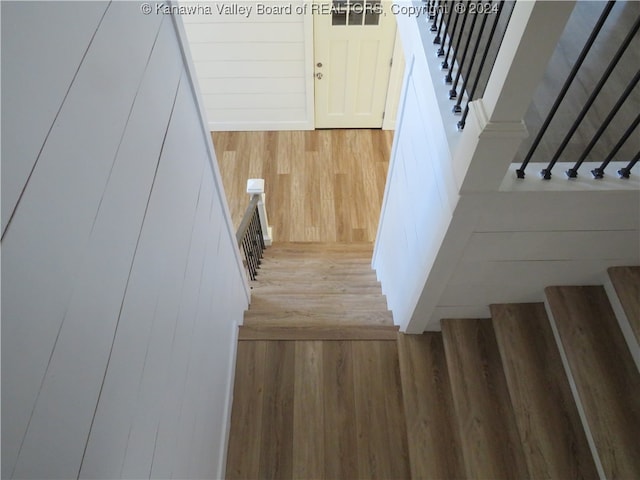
460	45
254	233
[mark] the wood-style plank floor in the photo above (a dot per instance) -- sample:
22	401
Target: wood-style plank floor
320	185
318	409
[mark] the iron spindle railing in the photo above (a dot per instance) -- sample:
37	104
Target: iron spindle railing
433	10
440	52
445	63
448	79
433	15
249	236
599	172
483	60
459	42
625	172
453	92
573	172
445	5
457	108
546	172
563	91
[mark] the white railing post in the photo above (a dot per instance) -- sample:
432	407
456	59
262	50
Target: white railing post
255	186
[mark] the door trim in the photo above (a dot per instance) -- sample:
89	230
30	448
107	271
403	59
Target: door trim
309	65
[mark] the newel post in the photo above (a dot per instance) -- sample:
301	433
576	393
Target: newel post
255	186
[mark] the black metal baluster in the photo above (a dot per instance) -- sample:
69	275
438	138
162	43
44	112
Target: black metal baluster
457	107
599	172
565	87
626	171
446	29
254	240
260	234
453	93
485	54
445	64
258	237
448	79
433	16
252	248
438	39
573	172
546	173
248	255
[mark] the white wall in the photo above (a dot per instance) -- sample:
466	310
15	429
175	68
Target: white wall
121	282
420	193
254	68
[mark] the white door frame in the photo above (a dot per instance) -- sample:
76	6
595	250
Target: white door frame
309	69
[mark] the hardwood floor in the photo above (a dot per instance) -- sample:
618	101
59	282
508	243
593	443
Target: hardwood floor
434	443
318	409
320	185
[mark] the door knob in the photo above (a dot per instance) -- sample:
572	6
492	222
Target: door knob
319	64
319	76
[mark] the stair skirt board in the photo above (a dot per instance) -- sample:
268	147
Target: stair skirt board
574	392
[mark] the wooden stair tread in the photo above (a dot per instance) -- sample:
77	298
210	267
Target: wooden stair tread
315	332
301	318
605	375
434	444
626	281
329	302
265	287
489	437
294	278
554	441
324	247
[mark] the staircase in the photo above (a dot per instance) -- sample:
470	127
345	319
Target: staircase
317	291
539	390
491	398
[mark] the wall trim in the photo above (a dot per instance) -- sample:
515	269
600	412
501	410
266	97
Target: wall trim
309	68
226	431
259	126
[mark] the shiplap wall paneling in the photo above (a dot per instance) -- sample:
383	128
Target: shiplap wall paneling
183	339
252	68
119	272
46	249
37	86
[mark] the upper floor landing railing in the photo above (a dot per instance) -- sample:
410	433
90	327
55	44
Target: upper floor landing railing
467	36
617	141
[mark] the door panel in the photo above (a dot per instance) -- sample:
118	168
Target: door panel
353	45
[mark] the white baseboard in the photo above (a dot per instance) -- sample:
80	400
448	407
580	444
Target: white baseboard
259	126
224	444
623	321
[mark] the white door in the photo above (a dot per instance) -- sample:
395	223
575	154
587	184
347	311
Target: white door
353	48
